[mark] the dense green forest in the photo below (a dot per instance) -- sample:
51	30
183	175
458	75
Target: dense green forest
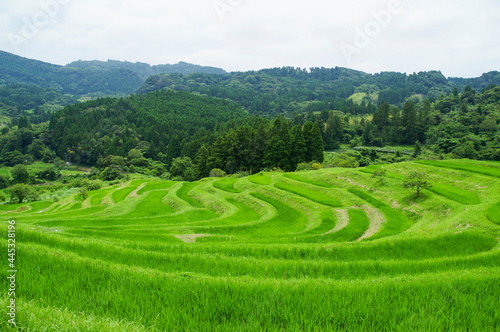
170	132
290	90
32	101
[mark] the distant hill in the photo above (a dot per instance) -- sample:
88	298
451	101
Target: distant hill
87	77
145	70
287	90
284	90
493	77
75	81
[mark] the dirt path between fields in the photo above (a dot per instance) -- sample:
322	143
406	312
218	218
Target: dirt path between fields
135	192
342	221
190	238
377	220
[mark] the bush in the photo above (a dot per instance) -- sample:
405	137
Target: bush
344	160
304	167
4	182
111	173
20	174
21	192
217	173
166	176
317	166
50	174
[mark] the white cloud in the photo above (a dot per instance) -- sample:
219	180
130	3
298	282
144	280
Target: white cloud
458	37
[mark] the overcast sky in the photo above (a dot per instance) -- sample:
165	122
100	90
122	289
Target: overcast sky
460	38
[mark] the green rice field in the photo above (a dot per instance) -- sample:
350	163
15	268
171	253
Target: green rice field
325	250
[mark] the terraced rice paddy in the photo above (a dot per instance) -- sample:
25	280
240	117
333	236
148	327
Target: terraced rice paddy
313	251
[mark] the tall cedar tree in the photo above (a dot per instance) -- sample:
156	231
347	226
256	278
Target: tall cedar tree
202	166
409	119
299	148
314	142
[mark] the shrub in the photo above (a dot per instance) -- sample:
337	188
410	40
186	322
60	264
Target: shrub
317	166
111	173
4	182
304	167
166	176
217	173
20	174
21	192
50	174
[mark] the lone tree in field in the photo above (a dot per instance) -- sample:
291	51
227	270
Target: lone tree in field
417	181
380	174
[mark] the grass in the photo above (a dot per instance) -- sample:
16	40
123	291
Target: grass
227	184
183	192
227	303
286	221
39	206
357	226
301	179
451	192
484	170
312	195
162	185
11	207
493	213
328	223
209	257
396	222
260	179
97	196
244	215
151	206
121	194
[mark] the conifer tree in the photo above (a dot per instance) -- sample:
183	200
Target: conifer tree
316	147
202	166
299	148
307	132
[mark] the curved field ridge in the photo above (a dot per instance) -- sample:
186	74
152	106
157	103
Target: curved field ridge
328	223
162	185
396	222
301	179
183	192
484	170
120	194
493	213
151	206
458	195
312	195
243	215
358	225
260	179
287	221
97	196
227	184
